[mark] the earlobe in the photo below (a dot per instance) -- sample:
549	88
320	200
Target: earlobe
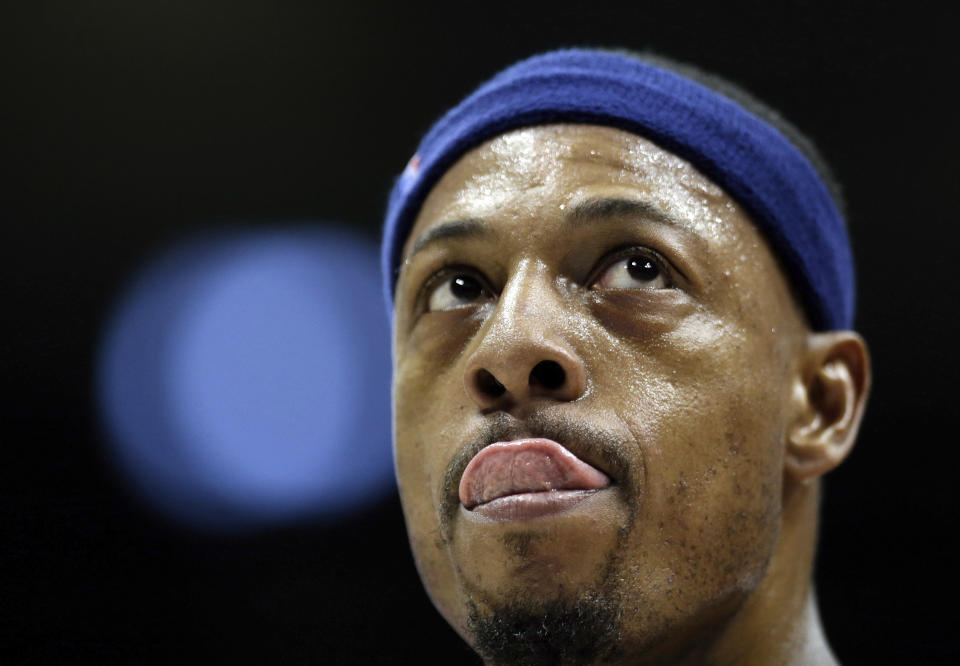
830	394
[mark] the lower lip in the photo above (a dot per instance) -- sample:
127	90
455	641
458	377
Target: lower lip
529	506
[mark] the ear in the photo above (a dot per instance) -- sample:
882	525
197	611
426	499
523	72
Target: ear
830	395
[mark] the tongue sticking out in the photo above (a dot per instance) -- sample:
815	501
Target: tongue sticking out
525	466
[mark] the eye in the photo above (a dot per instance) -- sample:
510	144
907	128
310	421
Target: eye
456	290
635	269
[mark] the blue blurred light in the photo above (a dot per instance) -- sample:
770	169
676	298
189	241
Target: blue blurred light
245	378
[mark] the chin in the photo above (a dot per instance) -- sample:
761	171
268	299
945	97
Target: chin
584	628
553	559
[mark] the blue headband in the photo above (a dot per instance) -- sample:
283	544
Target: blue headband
748	158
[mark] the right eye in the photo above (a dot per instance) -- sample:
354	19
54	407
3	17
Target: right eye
456	290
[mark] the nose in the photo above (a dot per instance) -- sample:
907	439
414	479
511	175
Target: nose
523	354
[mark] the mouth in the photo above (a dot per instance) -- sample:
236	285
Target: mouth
527	478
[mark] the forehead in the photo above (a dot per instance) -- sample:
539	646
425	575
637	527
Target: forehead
540	172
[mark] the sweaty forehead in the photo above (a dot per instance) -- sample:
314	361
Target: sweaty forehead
543	170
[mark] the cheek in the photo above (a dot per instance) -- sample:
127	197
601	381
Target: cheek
421	430
429	398
423	433
708	409
436	339
428	385
429	424
717	478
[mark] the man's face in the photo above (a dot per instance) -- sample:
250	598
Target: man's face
577	284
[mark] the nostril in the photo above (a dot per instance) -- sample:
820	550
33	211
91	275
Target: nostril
548	374
489	385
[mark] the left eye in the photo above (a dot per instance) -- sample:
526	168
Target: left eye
636	271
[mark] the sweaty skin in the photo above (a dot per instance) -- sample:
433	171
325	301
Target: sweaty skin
693	382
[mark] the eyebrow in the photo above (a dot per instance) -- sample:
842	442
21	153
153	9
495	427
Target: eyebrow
467	228
592	210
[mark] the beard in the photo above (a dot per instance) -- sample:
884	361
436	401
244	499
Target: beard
580	631
582	628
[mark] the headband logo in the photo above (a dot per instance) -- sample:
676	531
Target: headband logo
412	169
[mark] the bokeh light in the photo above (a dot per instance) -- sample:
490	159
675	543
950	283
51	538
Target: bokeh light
244	379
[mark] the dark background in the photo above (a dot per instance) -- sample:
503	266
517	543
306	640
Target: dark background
126	125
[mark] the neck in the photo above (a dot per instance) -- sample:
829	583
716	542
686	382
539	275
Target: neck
779	625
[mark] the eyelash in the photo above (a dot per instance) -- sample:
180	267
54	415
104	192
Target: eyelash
609	259
625	252
445	272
